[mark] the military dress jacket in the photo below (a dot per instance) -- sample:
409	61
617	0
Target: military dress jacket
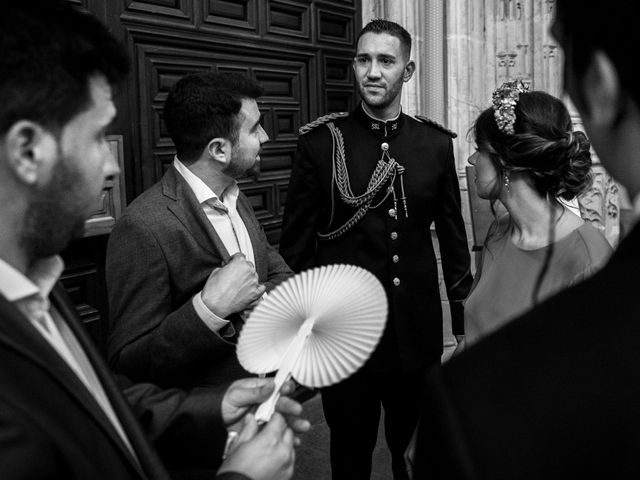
394	244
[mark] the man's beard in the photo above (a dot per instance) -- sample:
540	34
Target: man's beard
234	171
55	215
392	92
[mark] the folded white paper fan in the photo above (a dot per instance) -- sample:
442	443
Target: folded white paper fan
318	326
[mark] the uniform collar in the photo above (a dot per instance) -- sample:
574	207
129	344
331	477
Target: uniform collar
380	128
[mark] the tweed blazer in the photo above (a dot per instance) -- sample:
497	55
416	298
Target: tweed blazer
160	254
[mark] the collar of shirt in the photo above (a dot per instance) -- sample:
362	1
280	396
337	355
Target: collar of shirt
203	193
380	128
40	279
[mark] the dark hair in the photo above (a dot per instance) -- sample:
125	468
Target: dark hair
392	28
203	106
48	53
543	147
617	31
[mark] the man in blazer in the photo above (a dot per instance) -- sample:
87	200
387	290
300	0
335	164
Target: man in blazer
62	414
555	393
365	189
188	258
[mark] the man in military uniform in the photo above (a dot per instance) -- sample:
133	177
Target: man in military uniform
364	190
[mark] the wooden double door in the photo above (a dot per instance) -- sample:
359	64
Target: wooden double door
299	50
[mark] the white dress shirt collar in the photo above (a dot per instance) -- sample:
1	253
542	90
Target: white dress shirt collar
202	192
40	278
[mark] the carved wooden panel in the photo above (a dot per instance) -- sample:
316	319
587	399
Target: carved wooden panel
288	18
175	10
232	15
335	26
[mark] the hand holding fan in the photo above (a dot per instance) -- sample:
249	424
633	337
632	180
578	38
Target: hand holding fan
318	326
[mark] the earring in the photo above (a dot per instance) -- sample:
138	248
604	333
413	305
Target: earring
507	181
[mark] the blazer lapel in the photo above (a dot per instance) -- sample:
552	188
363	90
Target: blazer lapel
146	456
186	208
253	229
17	332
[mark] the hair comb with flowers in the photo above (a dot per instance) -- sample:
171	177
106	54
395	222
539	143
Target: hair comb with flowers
504	101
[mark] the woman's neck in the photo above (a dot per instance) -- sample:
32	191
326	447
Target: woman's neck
531	216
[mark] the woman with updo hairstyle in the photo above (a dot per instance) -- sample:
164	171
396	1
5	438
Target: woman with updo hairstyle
529	158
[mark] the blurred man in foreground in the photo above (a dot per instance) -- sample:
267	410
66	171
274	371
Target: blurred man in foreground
62	415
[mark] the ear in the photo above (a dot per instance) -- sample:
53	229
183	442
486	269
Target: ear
30	150
409	68
219	150
602	92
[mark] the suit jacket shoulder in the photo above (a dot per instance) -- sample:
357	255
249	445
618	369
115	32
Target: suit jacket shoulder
436	126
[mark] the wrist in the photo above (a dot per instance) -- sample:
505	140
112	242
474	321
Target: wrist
213	306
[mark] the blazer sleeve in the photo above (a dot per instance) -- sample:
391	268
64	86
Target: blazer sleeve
452	238
299	227
186	429
150	339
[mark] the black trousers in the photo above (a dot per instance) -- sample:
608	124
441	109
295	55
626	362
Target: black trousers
352	411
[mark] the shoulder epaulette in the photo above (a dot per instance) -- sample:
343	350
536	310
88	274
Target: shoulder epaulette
435	124
321	121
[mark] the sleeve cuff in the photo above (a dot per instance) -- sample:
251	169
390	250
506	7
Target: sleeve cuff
216	324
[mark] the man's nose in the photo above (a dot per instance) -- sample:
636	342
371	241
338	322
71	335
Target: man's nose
374	70
264	136
111	168
472	159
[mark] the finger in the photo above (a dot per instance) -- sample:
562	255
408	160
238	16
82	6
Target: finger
298	425
287	438
288	406
249	429
252	382
260	289
252	391
288	387
236	257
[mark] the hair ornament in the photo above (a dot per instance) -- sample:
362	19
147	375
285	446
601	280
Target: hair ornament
504	101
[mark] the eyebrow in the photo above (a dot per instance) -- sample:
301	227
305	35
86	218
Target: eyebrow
379	55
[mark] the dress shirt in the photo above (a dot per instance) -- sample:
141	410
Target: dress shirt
223	215
30	294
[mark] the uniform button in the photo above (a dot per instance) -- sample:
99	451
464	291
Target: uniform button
395	259
384	146
394	235
392	212
396	281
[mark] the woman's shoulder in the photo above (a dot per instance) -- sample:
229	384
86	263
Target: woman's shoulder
597	247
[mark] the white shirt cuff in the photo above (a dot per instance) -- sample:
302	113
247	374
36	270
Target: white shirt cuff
210	319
